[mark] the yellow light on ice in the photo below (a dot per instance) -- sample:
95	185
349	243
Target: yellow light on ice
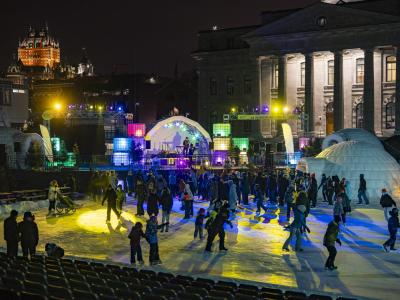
95	221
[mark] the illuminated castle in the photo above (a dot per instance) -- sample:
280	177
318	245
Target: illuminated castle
39	50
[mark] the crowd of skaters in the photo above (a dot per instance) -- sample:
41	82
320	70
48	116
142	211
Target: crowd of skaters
227	192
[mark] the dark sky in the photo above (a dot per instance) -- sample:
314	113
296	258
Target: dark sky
146	36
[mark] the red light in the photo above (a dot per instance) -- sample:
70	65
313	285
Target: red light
136	129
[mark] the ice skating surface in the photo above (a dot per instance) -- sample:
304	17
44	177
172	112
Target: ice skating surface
255	248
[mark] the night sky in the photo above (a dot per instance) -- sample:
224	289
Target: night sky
139	36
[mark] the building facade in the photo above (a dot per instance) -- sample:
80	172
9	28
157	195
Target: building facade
335	63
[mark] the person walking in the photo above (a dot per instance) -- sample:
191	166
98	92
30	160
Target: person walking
53	196
135	236
393	225
121	198
198	224
215	226
298	224
259	195
28	234
141	194
111	197
362	190
11	233
387	203
330	238
166	201
338	210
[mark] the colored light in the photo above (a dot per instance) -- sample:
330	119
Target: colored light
222	143
91	106
119	108
219	157
94	221
121	159
286	109
57	106
122	144
222	129
100	108
233	110
56	143
136	129
265	109
276	109
241	142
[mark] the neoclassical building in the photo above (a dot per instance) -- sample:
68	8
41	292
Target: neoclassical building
335	62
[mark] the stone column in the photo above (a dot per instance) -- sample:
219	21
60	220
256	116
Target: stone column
338	113
309	92
369	91
265	93
282	79
397	104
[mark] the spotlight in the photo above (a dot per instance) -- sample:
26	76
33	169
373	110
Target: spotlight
286	109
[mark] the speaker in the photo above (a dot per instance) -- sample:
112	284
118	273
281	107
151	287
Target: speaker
148	145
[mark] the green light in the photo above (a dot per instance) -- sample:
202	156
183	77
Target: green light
222	129
241	142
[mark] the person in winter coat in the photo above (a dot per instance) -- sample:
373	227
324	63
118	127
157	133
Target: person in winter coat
28	234
387	203
302	199
362	191
313	190
141	194
344	187
136	250
215	226
260	199
121	197
233	198
330	238
329	190
11	233
298	224
111	197
151	237
191	198
53	195
152	203
245	187
283	184
393	224
272	188
198	229
166	202
289	199
324	185
338	210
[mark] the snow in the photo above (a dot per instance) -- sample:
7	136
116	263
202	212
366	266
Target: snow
254	244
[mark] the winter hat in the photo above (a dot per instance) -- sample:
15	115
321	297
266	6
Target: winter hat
13	213
27	214
384	190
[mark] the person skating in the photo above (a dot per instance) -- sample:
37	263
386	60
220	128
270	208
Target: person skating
324	185
28	234
141	194
329	190
151	237
362	191
245	188
215	226
313	190
338	210
53	195
152	203
135	236
166	201
289	199
11	233
330	238
121	197
260	199
198	224
283	184
296	228
233	198
111	197
186	203
393	225
387	203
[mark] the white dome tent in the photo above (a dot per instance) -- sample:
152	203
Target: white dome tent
350	158
170	133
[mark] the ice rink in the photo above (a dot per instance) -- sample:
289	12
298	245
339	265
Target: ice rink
254	244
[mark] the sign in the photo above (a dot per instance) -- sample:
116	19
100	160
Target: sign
265	117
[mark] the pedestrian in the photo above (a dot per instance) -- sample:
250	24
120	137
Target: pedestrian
296	228
135	236
393	224
330	238
121	197
28	234
324	185
233	198
151	237
53	195
215	226
338	210
152	203
362	191
11	233
166	201
198	229
289	199
387	203
313	190
111	197
260	199
141	194
245	187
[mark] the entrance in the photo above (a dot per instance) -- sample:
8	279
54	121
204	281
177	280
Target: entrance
329	118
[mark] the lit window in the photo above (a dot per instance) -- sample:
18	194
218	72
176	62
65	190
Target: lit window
331	72
303	73
391	68
213	86
360	70
229	86
247	85
390	115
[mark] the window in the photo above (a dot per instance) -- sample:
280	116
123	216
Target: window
331	72
359	115
391	68
247	85
275	77
213	86
390	115
303	74
229	86
360	70
321	21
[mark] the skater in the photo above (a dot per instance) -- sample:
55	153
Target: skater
186	203
121	198
260	199
233	198
393	224
298	224
283	184
245	187
198	229
151	237
191	198
215	226
362	191
330	238
53	196
338	210
111	197
324	185
272	188
28	234
166	202
152	203
313	190
387	203
329	190
289	199
136	250
11	233
141	194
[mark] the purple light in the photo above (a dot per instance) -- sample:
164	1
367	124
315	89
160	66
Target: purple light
119	108
265	109
257	109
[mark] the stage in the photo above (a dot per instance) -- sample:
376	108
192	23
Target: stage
254	245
